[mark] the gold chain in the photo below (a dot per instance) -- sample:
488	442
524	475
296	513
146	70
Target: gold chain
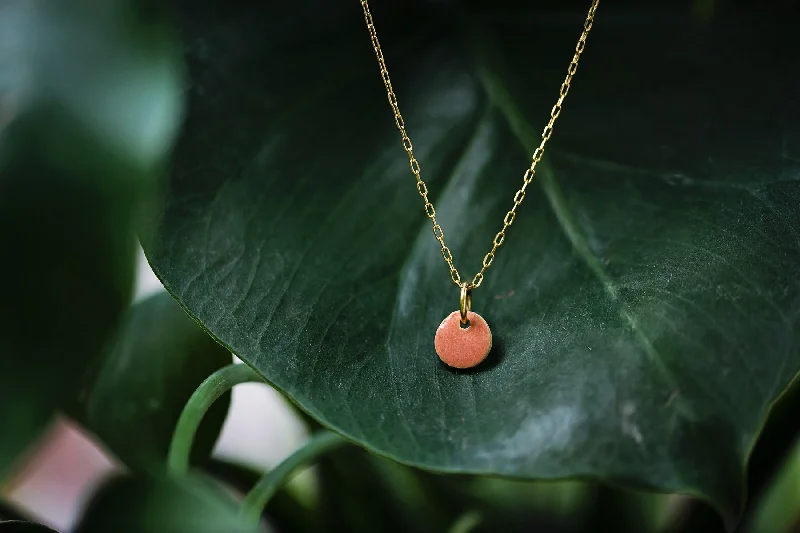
529	174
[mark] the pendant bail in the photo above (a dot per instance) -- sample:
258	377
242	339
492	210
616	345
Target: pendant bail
465	301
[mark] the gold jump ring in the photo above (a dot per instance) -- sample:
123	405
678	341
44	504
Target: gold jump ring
466	301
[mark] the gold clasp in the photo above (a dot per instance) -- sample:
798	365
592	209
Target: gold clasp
466	302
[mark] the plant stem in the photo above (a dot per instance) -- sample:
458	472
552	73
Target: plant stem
202	399
255	501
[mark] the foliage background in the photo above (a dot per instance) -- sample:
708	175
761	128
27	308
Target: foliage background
645	304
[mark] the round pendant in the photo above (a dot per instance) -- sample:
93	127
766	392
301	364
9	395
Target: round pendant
463	347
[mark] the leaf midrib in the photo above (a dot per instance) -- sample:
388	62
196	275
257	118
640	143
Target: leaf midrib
499	95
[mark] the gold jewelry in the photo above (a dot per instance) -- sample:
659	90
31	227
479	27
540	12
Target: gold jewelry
465	303
456	349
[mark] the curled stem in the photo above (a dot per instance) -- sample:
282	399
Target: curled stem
256	500
202	399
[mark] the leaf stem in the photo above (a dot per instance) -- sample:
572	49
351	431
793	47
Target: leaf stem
202	399
255	501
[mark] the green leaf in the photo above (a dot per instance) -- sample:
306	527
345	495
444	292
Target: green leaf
193	504
626	511
157	360
71	275
359	492
777	442
564	506
779	510
77	163
17	526
644	303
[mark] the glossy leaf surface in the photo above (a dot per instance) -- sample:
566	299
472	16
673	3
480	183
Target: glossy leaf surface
645	301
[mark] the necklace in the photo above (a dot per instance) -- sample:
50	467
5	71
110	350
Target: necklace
463	339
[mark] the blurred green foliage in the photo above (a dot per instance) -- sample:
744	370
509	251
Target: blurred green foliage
92	98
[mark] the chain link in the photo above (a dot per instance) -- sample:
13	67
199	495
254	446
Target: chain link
530	173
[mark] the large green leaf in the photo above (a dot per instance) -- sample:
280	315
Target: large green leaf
78	151
645	303
157	360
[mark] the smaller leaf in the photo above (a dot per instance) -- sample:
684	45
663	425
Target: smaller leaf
89	102
521	506
779	509
626	511
776	444
191	504
19	526
361	492
72	269
159	357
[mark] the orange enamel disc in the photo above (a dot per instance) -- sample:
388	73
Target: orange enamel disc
463	347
